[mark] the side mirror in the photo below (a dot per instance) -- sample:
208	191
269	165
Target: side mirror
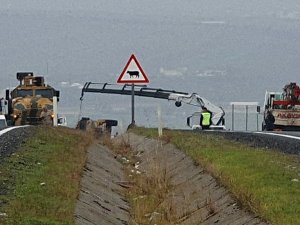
7	94
57	95
188	121
258	109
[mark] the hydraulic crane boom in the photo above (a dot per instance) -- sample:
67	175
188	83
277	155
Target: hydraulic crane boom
142	90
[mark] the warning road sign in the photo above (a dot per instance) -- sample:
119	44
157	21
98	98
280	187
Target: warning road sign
133	73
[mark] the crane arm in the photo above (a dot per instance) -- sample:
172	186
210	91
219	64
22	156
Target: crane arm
196	100
142	90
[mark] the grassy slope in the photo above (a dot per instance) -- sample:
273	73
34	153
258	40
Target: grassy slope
262	180
43	178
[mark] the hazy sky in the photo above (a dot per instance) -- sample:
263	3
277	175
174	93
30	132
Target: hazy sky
230	50
130	7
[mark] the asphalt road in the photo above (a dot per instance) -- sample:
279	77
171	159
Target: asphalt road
11	138
295	134
287	142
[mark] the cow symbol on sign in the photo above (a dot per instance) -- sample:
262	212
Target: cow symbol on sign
135	74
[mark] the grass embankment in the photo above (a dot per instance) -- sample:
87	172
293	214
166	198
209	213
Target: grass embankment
266	182
41	181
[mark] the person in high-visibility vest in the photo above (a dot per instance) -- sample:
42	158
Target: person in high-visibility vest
205	119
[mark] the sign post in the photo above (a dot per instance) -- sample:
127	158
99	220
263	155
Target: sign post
133	74
132	105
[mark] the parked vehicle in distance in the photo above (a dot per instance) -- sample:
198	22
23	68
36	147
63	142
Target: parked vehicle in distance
282	109
99	127
3	123
32	101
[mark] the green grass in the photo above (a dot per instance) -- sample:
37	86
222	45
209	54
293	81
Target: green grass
260	179
147	193
41	181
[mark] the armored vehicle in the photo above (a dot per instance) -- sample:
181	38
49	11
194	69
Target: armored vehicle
32	101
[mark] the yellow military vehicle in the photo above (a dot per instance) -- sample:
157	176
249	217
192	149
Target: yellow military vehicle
32	101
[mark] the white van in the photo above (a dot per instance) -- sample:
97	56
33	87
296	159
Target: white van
3	123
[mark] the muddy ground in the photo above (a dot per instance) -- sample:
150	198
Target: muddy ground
195	197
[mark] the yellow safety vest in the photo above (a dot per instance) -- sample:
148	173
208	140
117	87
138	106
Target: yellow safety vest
206	118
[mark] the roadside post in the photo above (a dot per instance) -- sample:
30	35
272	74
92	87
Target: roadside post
160	123
132	105
133	74
55	111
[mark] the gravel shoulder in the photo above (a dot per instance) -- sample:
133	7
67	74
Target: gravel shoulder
195	197
12	140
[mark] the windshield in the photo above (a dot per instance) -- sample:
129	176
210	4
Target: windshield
24	93
44	93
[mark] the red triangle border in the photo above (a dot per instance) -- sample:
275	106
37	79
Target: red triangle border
120	81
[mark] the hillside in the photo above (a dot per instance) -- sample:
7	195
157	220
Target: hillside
62	176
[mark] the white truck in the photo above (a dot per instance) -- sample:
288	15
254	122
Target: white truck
282	109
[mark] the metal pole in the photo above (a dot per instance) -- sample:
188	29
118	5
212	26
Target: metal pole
132	105
232	117
257	121
246	117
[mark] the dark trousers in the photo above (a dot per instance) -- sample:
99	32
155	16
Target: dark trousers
205	127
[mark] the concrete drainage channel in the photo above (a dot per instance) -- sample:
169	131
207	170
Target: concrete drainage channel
101	200
194	197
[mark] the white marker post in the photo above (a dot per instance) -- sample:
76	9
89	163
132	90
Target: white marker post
55	111
160	124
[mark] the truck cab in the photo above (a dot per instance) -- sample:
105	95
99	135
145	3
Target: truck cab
285	111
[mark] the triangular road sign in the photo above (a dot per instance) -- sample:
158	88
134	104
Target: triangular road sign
133	73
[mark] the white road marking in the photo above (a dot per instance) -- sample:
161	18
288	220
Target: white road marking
281	135
9	129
